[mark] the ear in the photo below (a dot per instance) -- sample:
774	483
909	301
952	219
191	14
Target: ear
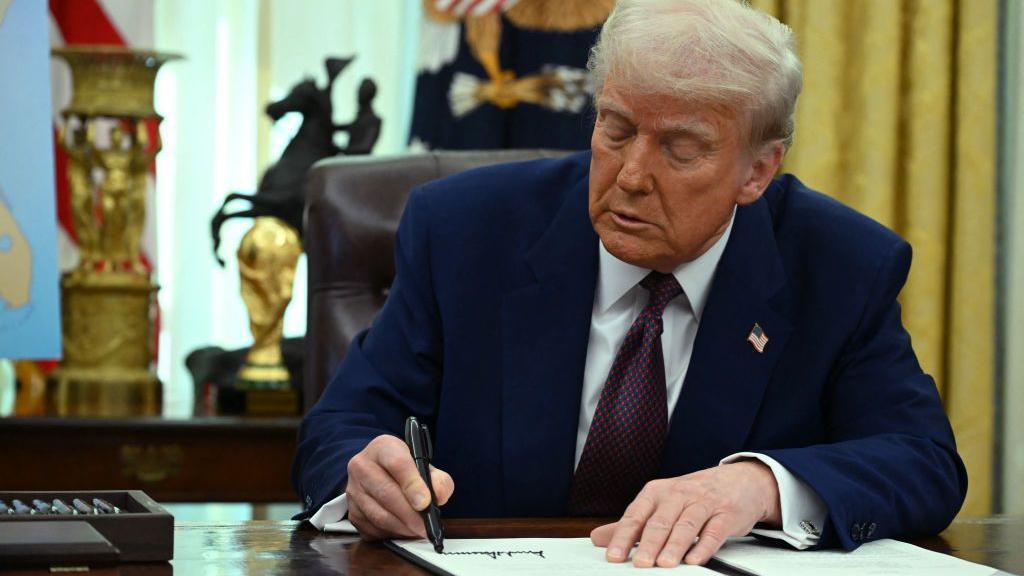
765	164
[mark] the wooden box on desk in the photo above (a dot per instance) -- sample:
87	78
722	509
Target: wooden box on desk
143	531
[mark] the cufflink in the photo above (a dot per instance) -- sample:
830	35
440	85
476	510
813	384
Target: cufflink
809	528
309	502
857	532
870	530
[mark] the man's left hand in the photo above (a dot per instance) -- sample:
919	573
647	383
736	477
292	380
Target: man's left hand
712	505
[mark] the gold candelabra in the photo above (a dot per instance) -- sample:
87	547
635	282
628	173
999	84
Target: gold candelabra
107	299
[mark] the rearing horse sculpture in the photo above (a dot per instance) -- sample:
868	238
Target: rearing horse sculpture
282	190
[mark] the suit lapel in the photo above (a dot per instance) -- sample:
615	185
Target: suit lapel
726	377
545	327
545	330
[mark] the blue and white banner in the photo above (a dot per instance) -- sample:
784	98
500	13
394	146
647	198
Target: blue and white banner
29	292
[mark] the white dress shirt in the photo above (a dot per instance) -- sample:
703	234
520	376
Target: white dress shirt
617	303
618	300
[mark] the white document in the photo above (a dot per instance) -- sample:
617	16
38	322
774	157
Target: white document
561	556
878	558
341	526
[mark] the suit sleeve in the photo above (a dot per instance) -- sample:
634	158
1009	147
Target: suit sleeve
891	467
390	372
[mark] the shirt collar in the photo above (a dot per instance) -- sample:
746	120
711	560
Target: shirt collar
616	278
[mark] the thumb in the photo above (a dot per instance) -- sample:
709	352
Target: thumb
444	486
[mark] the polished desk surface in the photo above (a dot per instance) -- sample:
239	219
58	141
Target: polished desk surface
264	547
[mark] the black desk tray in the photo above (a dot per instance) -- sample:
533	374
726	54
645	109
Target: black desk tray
143	531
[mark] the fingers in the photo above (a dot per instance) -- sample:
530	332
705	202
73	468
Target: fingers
601	535
683	531
385	490
374	522
374	491
629	527
380	505
443	484
711	539
667	518
393	456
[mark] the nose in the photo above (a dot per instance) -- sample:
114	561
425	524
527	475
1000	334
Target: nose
635	175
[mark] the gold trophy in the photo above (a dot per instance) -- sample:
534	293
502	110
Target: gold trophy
267	257
107	300
269	252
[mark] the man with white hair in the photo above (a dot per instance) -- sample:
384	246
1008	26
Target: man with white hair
654	331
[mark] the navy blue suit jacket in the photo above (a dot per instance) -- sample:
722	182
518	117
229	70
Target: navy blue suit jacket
484	336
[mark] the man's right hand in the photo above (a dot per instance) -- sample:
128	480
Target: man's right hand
385	492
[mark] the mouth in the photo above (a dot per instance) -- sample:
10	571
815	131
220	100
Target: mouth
628	221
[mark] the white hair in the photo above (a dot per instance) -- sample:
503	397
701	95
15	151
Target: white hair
717	52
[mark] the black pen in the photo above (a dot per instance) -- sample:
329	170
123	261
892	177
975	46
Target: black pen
82	507
417	436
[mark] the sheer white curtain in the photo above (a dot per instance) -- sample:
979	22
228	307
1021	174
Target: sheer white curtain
240	54
1012	250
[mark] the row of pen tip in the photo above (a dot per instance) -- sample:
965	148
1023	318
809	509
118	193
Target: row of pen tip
59	507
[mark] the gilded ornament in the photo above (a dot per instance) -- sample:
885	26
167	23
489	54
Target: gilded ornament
267	257
107	299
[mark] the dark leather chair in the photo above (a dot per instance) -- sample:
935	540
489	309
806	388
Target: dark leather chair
352	212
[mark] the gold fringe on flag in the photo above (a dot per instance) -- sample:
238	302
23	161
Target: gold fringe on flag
440	16
560	16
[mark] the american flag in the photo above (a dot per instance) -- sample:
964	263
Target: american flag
462	8
757	338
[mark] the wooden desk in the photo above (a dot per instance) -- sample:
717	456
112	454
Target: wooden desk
225	459
263	547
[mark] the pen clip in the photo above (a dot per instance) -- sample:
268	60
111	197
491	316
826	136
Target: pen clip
411	426
427	443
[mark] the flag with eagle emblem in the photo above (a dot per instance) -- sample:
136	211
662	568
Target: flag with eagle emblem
505	74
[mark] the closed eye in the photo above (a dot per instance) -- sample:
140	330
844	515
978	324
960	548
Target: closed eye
616	133
614	127
683	157
685	149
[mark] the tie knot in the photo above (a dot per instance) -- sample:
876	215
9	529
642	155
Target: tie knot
663	288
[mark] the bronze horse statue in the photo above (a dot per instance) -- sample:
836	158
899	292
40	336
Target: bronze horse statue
282	189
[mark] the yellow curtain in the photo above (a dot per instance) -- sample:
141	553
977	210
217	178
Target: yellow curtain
897	119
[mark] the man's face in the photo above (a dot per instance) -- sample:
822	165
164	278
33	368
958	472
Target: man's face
666	175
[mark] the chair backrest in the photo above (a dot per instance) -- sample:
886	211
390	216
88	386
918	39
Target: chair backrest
352	212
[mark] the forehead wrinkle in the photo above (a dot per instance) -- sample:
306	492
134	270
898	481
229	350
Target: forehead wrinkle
664	123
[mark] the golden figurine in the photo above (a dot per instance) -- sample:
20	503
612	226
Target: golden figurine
117	162
83	191
107	301
135	205
267	257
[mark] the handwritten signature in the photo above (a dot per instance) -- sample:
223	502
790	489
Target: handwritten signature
494	555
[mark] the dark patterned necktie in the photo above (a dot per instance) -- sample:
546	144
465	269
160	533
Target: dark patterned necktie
627	435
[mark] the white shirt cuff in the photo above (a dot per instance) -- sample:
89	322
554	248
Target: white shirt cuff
330	513
803	511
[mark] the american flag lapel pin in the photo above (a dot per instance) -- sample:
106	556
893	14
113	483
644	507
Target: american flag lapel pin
757	338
